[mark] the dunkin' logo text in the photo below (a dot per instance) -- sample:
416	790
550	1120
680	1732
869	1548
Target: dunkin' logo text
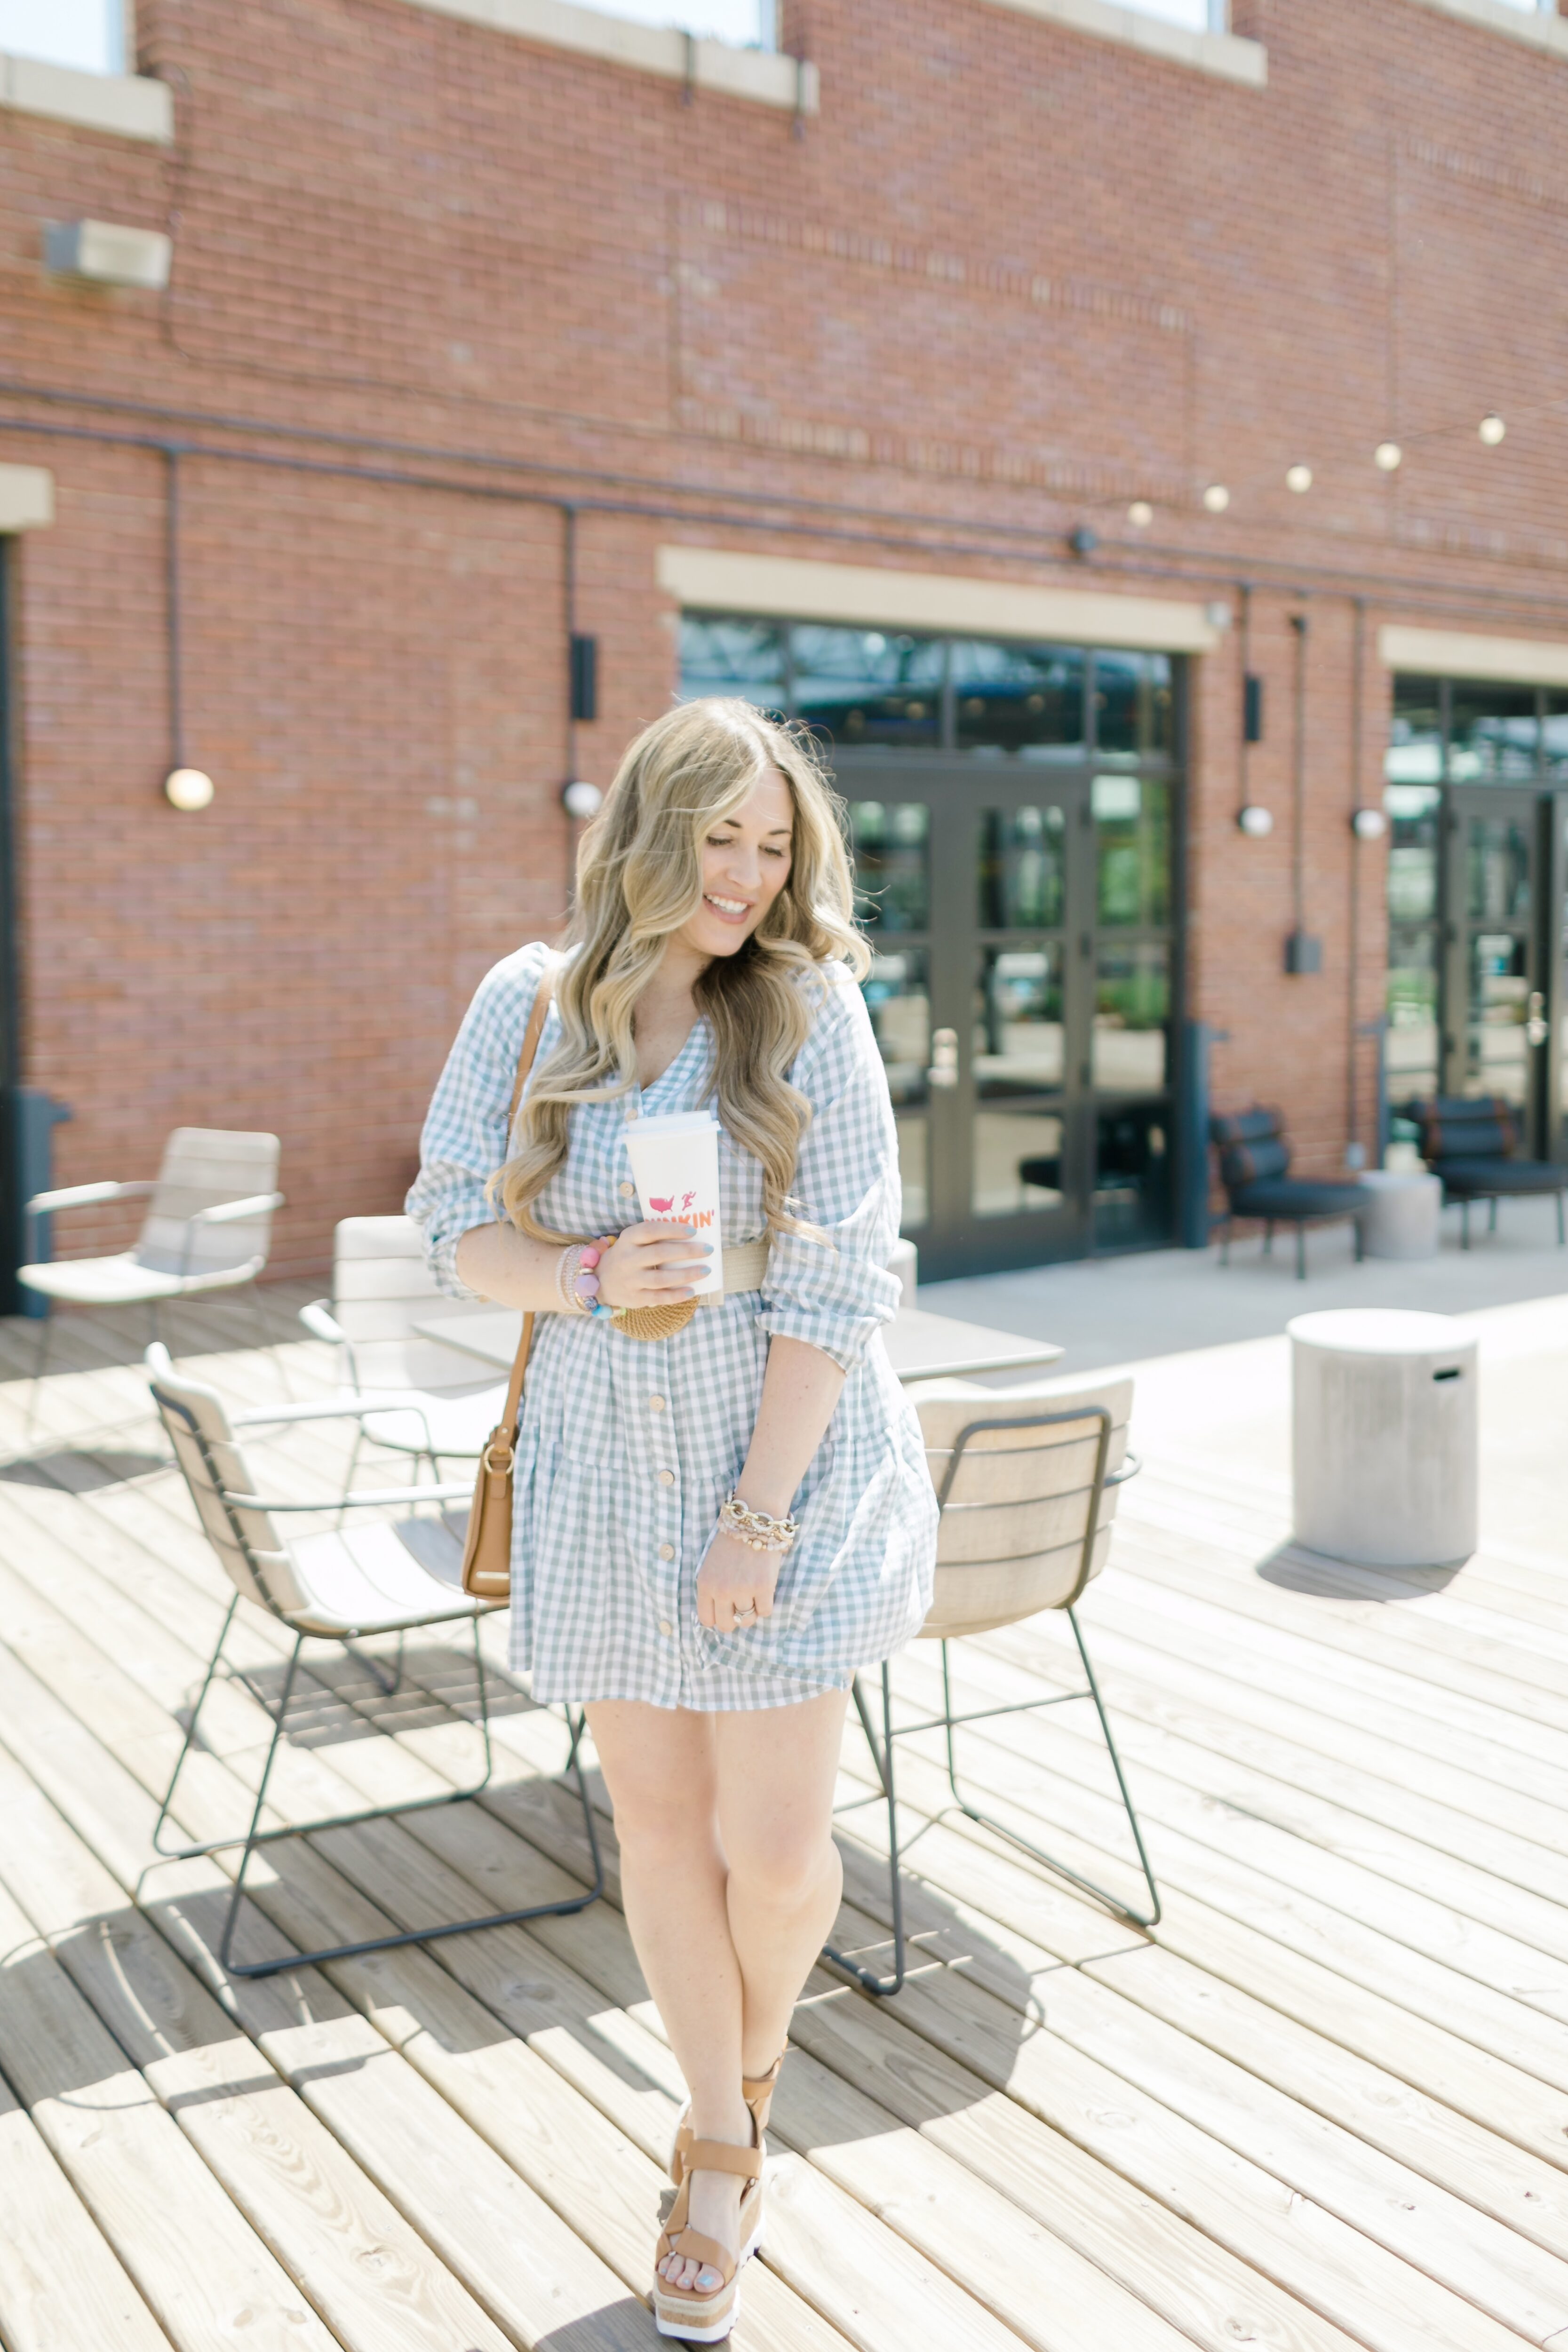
666	1214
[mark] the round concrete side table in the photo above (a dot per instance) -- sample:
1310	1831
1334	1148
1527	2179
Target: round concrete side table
1402	1213
1383	1437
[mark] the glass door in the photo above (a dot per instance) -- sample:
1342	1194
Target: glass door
1021	992
1497	984
1018	1173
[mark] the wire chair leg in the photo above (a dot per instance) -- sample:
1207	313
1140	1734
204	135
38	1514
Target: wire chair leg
1123	1910
176	1853
45	1341
260	1311
883	1754
353	1466
250	1841
256	1836
386	1684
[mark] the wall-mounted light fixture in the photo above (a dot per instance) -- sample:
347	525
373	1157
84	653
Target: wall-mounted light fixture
1257	823
1369	824
1217	498
108	253
581	800
1491	430
1299	478
584	659
188	788
1140	514
1388	456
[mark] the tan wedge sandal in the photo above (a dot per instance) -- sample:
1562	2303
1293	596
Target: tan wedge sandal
756	2089
681	2311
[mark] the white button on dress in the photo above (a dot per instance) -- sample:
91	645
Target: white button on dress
615	1504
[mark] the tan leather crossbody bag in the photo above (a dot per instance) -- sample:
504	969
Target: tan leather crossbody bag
486	1555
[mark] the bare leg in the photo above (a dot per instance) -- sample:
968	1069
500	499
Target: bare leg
731	1881
776	1769
659	1763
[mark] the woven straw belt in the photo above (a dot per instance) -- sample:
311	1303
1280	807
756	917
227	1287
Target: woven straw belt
745	1268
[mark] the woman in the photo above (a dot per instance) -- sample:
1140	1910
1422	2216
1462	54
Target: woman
713	1529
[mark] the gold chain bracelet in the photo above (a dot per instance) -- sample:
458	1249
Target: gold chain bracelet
756	1529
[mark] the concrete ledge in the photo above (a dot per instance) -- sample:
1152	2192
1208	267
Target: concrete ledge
1225	54
130	105
1453	652
1538	32
864	596
27	497
760	75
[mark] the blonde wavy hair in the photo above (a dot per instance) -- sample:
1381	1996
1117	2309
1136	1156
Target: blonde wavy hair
639	878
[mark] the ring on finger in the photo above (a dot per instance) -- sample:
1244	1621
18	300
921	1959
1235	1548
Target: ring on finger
748	1615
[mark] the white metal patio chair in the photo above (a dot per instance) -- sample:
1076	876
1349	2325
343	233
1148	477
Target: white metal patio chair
388	1575
1025	1482
418	1397
208	1228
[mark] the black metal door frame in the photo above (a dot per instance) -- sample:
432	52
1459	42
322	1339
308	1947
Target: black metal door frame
956	788
1554	941
1538	812
12	1253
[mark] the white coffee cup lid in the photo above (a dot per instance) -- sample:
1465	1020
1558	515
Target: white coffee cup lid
674	1122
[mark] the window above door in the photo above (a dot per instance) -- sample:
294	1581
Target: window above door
1462	731
901	691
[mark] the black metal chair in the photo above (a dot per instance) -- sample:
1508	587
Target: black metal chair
1255	1169
1471	1142
1025	1482
392	1576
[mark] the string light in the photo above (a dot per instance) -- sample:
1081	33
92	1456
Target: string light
1388	456
1299	478
1217	498
1491	429
1140	514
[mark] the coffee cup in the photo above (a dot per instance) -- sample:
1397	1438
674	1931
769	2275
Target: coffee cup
675	1167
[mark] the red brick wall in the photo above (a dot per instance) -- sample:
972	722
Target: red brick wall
1011	277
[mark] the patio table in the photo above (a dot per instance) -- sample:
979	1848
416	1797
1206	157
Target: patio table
920	1346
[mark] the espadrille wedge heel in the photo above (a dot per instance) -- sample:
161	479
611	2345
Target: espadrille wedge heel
681	2311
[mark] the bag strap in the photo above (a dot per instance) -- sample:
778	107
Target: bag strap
530	1037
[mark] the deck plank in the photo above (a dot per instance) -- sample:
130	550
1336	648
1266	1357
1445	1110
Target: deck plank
61	2285
1326	2106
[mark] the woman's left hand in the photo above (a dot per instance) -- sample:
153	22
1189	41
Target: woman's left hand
733	1578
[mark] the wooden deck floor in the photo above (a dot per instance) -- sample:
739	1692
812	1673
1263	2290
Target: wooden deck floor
1326	2105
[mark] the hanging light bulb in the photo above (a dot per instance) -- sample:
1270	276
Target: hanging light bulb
1491	429
1299	478
1140	514
1217	498
188	788
1388	456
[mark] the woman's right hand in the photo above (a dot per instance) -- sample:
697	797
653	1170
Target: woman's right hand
652	1266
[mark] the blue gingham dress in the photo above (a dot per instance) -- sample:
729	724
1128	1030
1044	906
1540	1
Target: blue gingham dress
628	1447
